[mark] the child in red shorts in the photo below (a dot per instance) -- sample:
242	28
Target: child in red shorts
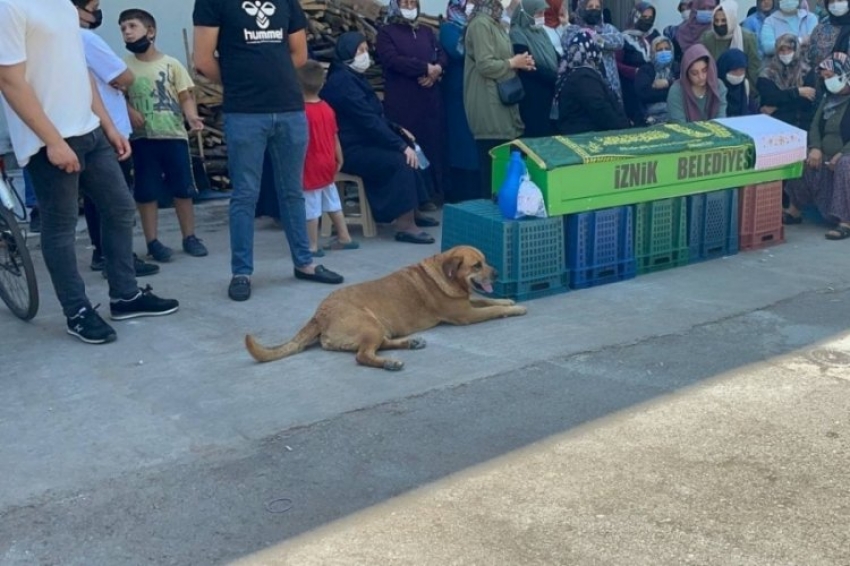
324	161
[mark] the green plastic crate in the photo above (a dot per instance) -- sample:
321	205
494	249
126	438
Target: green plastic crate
661	235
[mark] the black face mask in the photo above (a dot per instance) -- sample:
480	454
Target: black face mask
644	24
592	17
139	46
721	31
98	18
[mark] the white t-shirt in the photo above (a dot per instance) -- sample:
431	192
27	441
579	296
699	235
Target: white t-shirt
45	36
105	65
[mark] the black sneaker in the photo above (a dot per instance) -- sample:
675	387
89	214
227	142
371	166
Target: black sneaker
90	328
194	247
145	303
142	268
240	288
35	220
97	261
159	251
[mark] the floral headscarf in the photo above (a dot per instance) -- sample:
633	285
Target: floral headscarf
582	51
553	13
786	76
839	64
394	15
492	8
456	12
662	71
582	6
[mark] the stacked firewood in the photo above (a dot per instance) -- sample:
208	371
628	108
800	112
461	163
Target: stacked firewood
326	21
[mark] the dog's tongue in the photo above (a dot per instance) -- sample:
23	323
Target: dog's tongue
487	287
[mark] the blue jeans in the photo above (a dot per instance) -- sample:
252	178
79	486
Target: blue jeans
285	135
29	192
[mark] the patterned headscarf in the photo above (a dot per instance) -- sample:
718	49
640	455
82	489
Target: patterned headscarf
582	6
712	91
839	64
582	51
456	12
786	76
394	15
553	13
662	71
492	8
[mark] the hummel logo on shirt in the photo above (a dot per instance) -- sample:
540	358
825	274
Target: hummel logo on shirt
262	11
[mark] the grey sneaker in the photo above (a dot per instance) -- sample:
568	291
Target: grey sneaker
194	247
145	303
159	251
240	288
90	328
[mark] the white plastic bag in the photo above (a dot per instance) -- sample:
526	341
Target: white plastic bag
530	200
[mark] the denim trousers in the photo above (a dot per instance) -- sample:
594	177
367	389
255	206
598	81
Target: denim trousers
285	136
57	192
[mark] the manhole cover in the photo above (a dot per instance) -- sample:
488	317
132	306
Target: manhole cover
829	357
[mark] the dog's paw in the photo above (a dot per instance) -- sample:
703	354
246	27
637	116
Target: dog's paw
393	365
417	343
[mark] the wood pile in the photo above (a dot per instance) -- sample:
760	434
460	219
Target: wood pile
326	21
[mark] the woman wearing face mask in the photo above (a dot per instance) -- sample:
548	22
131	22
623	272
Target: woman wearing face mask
698	22
490	59
832	34
636	52
528	36
670	31
697	95
732	72
588	17
792	17
726	33
375	149
787	84
555	19
413	62
584	101
464	173
826	178
754	22
653	81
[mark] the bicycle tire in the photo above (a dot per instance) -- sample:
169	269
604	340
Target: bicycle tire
16	263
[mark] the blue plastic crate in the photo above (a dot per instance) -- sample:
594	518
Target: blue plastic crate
532	289
521	250
713	225
600	246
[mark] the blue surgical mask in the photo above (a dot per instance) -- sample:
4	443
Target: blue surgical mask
789	6
664	57
705	16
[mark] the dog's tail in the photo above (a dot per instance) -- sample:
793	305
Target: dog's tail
305	337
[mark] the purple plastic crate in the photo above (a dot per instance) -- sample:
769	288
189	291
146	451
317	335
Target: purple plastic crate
600	246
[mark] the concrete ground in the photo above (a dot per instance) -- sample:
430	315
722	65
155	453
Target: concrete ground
695	416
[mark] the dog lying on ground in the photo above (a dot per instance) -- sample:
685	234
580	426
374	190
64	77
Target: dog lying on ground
382	314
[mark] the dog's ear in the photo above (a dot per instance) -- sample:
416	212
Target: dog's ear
451	265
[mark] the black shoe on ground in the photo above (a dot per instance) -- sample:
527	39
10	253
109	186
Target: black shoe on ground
159	251
321	275
97	261
89	327
194	247
239	288
142	268
145	303
35	220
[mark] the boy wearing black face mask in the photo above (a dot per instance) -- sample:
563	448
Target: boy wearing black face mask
160	99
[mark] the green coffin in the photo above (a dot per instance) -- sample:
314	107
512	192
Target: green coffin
600	170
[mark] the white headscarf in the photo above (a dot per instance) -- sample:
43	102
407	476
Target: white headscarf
730	10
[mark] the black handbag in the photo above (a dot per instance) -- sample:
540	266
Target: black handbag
510	91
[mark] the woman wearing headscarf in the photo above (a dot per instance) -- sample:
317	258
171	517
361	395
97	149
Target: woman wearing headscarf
754	22
588	17
584	101
528	36
787	84
831	35
826	178
554	21
375	149
489	59
698	22
670	31
653	81
697	95
413	63
732	72
464	173
636	52
792	17
726	33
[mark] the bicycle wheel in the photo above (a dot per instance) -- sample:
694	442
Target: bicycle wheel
18	287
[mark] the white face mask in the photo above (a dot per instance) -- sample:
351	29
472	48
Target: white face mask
469	8
835	84
409	14
540	22
734	80
361	62
789	6
786	58
685	15
839	9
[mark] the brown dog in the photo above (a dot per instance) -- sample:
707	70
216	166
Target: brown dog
381	314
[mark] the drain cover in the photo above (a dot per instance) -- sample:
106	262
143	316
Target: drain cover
828	357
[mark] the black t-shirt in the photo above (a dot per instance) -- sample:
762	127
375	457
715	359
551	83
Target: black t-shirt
253	49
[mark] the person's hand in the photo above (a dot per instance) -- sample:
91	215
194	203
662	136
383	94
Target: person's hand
195	124
434	72
660	84
119	143
62	156
136	119
815	159
806	92
767	110
411	158
522	62
406	133
426	81
834	161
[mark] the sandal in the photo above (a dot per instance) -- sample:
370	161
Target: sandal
426	221
840	232
335	244
420	238
788	218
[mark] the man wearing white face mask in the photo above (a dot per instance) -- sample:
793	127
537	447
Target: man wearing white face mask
831	34
792	17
